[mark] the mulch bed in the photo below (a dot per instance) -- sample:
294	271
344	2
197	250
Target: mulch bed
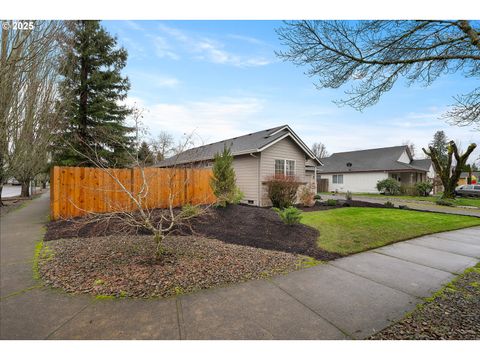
322	205
126	266
453	315
235	224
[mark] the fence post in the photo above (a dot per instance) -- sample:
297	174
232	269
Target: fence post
132	186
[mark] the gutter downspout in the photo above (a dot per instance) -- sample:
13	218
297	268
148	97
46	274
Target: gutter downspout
258	177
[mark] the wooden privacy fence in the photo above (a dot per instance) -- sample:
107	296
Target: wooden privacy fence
322	185
78	191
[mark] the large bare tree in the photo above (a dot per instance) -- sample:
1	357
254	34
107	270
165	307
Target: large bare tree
163	145
373	55
320	150
449	173
28	98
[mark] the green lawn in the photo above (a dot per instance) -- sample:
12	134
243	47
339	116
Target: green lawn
351	230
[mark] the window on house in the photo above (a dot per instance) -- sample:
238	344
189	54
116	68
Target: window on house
290	167
279	167
285	167
337	179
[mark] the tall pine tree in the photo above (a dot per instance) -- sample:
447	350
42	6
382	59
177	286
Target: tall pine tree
440	144
145	155
93	87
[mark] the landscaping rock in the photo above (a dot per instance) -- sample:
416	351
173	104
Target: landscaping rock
126	266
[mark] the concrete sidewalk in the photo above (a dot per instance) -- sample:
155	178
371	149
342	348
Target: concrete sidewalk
352	297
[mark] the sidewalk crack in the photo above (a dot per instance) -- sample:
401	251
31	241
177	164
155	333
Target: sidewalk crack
67	321
20	292
180	322
347	335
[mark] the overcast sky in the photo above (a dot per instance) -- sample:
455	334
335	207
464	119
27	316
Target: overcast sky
222	79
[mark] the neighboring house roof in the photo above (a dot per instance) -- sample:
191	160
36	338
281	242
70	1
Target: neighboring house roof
422	163
466	174
381	159
240	145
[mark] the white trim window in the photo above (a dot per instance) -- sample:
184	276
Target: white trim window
285	167
337	179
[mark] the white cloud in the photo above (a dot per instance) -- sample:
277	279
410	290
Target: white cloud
211	120
340	135
154	80
163	49
203	48
222	118
134	25
249	39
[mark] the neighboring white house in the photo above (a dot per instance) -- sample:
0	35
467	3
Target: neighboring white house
257	156
359	171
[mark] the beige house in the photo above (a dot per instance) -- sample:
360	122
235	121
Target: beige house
258	156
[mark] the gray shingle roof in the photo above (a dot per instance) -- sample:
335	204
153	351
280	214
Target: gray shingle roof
422	163
380	159
238	145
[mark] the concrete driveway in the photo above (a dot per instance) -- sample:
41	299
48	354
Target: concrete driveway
350	298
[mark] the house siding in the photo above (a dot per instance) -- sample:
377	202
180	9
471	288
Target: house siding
404	158
246	171
356	182
284	149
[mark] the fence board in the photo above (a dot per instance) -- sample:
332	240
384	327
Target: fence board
79	191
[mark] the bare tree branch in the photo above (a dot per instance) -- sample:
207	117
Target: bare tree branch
373	55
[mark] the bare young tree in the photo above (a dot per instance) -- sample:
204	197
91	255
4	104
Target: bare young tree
373	55
137	213
449	174
28	90
320	150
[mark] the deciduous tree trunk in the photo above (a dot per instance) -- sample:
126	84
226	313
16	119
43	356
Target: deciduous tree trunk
25	189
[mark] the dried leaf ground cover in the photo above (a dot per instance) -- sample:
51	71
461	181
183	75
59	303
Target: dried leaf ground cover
453	313
125	266
235	224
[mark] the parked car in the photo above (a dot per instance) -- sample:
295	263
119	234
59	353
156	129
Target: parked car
468	190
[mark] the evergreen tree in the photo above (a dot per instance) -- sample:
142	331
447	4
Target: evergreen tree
440	144
223	182
93	86
145	155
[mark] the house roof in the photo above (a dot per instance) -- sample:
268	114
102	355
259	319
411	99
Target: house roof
245	144
381	159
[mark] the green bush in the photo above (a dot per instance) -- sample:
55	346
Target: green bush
423	188
282	190
389	186
223	182
290	215
317	197
445	202
189	211
389	204
332	202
